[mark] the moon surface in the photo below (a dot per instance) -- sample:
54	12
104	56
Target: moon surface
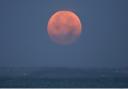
64	27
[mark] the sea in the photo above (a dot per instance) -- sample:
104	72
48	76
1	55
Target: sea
64	78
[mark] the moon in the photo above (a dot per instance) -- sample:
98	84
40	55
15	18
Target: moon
64	27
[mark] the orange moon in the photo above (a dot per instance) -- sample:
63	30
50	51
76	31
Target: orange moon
64	27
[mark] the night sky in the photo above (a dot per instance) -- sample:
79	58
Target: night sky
24	40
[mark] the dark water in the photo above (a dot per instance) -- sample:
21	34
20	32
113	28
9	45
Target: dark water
63	78
74	83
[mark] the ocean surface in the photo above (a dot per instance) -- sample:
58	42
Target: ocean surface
64	78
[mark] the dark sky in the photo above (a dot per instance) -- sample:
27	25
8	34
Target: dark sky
24	40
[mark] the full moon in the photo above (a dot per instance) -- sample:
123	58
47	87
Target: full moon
64	27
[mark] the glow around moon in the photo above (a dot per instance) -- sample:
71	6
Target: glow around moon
64	27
